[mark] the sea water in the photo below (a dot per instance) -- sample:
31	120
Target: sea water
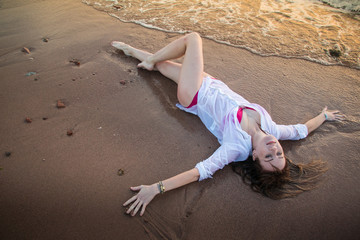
327	32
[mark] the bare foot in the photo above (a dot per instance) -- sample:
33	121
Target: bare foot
123	47
147	64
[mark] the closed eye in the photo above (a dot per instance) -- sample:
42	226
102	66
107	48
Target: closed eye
269	158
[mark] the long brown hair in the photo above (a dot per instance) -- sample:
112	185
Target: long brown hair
289	182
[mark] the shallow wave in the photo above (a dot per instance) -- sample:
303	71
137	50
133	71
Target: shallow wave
350	5
289	28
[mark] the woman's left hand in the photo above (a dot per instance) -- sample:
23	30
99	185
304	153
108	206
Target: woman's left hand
333	115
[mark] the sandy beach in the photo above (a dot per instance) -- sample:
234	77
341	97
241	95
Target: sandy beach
59	170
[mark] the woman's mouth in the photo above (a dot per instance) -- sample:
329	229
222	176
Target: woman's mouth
271	142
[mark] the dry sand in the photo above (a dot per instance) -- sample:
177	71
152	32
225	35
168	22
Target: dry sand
55	186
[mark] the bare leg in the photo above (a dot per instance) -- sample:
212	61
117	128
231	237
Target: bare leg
188	75
191	74
168	68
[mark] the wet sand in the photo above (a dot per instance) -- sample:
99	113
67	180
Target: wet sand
55	186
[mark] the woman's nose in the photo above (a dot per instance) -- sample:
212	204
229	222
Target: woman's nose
273	148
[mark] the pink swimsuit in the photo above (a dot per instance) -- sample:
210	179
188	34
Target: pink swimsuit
239	112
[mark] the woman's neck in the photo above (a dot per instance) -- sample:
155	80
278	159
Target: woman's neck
254	130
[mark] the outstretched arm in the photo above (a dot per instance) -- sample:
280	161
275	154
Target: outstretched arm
148	192
325	115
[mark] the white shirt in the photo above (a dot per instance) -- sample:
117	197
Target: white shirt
217	108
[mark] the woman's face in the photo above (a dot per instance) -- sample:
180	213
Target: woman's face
270	154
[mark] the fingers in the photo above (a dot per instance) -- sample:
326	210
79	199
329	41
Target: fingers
130	200
137	208
133	206
336	116
143	209
340	117
137	188
137	205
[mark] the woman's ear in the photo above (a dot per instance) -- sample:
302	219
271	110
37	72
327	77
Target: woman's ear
254	155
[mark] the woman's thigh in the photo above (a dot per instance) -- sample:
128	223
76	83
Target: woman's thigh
192	70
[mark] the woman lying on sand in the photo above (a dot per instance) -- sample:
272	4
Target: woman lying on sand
248	136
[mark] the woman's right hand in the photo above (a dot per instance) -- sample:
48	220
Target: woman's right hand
141	199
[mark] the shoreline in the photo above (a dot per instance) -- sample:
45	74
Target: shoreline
56	185
333	56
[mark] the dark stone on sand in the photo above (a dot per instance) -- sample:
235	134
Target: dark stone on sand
45	39
28	120
120	172
118	7
7	154
60	104
75	61
122	82
44	118
69	132
335	53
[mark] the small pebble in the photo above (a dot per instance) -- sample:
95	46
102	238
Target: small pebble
26	50
30	73
120	172
44	118
75	61
45	40
122	82
7	154
28	120
60	104
69	132
118	7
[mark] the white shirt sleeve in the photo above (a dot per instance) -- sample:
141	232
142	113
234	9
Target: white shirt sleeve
224	155
292	132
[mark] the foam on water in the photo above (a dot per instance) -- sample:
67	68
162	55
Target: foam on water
350	5
306	29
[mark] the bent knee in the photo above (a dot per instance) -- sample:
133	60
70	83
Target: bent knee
184	99
194	36
185	96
